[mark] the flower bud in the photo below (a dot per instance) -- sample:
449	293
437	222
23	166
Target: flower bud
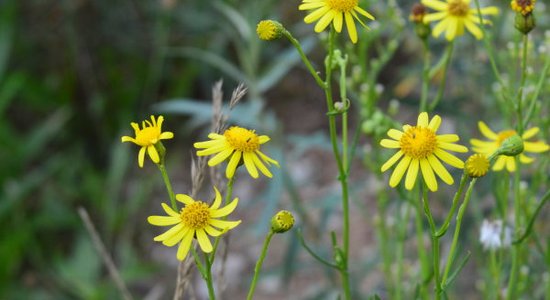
269	30
511	146
476	165
282	221
524	23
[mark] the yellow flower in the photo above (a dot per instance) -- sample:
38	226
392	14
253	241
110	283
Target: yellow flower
195	220
422	149
454	15
523	6
335	11
496	139
242	145
148	137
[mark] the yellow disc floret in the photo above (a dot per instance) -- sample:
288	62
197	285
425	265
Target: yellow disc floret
458	8
195	215
418	142
242	139
524	7
342	5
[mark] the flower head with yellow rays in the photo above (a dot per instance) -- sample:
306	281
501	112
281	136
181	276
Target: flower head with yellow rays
147	137
454	16
195	220
495	141
421	149
336	12
237	145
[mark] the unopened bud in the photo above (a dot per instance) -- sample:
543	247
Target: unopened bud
511	146
269	30
524	23
282	221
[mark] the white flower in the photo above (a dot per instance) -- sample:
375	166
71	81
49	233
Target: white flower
493	236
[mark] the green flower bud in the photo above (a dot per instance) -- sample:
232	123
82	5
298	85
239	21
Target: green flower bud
511	146
282	221
524	23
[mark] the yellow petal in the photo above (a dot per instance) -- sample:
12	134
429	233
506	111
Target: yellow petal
128	139
364	12
437	5
224	225
220	157
226	210
141	156
260	165
338	22
474	29
428	175
486	131
399	171
153	154
390	144
316	14
350	24
166	135
411	174
324	21
531	132
510	164
440	27
434	123
163	221
449	158
185	245
452	147
388	164
212	231
232	165
395	134
176	237
217	199
451	32
169	233
262	139
169	210
204	241
535	147
186	199
440	170
249	164
423	119
500	163
448	138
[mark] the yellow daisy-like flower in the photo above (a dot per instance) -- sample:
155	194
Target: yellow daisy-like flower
148	137
242	145
335	11
421	148
524	7
496	139
195	220
454	16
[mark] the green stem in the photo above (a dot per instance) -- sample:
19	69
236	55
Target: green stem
448	55
168	185
435	243
540	84
516	250
424	263
443	229
459	218
306	61
342	175
259	265
400	251
425	76
519	98
208	279
227	198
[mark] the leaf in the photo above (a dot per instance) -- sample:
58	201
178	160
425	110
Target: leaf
235	18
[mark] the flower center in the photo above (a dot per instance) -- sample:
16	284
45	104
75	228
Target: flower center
148	136
504	135
523	6
458	8
342	5
195	215
242	139
418	142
